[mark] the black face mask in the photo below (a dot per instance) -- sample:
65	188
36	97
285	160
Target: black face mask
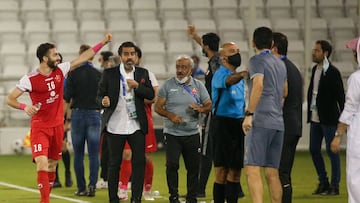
235	60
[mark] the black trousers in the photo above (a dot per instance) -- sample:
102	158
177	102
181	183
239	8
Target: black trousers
206	154
116	145
189	148
104	158
286	164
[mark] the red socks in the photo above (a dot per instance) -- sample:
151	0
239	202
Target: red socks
52	177
44	186
149	173
125	173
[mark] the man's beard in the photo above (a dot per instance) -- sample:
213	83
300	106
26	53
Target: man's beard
52	64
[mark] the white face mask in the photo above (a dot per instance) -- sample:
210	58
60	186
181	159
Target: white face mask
182	81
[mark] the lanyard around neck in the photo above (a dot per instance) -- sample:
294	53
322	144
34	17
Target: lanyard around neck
267	51
123	85
194	96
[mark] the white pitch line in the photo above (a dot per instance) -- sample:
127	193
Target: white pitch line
37	191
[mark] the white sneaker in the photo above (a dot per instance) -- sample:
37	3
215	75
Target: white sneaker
148	196
101	184
122	194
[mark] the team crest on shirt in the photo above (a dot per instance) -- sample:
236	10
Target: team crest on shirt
58	78
194	91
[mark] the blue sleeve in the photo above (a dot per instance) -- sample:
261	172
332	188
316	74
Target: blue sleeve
219	79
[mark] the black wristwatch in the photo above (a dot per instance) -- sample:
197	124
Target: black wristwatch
248	113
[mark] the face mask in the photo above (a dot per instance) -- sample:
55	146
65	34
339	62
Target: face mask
204	53
182	81
235	60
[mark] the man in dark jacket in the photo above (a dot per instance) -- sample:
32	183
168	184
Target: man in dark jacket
326	100
122	91
292	113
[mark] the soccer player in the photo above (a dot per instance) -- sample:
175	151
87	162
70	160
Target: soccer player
46	87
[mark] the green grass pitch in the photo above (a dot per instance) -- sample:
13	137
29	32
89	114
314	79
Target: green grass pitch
20	171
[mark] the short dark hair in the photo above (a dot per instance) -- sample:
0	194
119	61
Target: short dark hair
280	42
195	58
106	55
212	40
83	48
138	51
43	50
263	38
325	46
126	44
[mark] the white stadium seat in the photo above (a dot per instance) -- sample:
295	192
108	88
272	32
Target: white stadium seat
198	9
116	10
9	10
88	9
171	9
61	10
144	9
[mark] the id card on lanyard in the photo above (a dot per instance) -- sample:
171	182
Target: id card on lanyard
129	99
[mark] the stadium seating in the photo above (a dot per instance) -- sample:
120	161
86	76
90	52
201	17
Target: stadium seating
225	9
299	11
144	9
65	31
290	27
122	30
330	9
91	31
244	9
33	10
37	31
342	28
61	10
9	10
231	30
89	10
159	27
175	30
13	53
154	56
11	30
116	10
199	9
278	9
171	9
148	30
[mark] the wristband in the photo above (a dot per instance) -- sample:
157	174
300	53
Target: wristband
22	106
248	113
97	47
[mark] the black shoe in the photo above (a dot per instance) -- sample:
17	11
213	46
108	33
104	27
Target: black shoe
322	188
57	184
331	191
81	193
135	200
91	191
201	195
68	181
241	193
174	199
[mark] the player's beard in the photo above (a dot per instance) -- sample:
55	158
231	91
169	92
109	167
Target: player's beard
52	64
